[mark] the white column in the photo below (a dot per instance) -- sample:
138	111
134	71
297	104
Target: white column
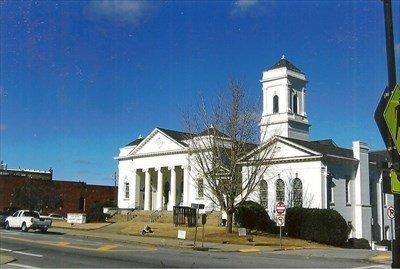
303	102
132	191
172	202
185	185
147	194
159	189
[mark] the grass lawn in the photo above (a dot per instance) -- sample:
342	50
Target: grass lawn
213	233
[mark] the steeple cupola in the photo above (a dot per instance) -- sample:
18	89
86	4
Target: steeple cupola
284	110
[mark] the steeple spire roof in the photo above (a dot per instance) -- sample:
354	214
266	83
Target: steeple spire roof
283	62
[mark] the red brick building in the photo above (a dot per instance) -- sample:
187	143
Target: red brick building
62	197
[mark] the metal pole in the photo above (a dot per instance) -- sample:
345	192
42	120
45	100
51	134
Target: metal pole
202	238
195	233
391	234
391	65
280	236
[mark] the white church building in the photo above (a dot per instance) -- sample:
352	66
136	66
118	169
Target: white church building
155	172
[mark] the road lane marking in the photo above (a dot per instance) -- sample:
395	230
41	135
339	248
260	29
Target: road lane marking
28	254
22	265
21	252
248	250
55	244
62	244
106	247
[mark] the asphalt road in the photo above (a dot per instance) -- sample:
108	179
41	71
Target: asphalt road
37	250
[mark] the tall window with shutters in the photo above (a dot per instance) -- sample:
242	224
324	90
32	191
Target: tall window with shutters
264	193
280	190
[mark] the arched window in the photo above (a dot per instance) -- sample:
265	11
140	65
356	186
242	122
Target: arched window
275	104
264	193
295	104
280	190
297	193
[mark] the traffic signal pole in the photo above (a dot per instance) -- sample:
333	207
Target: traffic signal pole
395	160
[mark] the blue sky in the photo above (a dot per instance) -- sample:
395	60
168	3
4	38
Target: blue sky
81	79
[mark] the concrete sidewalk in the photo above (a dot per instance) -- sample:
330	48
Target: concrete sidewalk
333	253
4	259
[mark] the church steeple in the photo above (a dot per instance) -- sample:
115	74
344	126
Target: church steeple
284	111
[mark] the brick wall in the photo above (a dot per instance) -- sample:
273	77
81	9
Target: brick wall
73	195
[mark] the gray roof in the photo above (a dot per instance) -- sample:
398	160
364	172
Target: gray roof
212	131
177	135
325	147
285	63
378	157
134	142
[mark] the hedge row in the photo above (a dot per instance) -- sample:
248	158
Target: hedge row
319	225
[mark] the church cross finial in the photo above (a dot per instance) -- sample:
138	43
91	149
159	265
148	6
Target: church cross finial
283	57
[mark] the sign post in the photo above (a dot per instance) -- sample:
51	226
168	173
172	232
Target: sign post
387	117
391	215
203	222
280	210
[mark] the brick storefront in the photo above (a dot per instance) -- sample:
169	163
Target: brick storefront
75	197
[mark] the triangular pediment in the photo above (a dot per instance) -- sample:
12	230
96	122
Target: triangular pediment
157	142
284	149
281	149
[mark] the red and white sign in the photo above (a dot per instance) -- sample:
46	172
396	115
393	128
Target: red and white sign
390	212
280	208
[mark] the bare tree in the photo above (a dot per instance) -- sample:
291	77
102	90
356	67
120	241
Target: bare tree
228	163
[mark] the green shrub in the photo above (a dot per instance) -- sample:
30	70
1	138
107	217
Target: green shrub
253	216
320	225
95	212
358	243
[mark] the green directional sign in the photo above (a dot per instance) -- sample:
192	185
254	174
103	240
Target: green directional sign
395	178
392	116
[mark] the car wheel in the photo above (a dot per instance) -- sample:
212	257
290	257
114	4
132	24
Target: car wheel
43	230
7	225
24	228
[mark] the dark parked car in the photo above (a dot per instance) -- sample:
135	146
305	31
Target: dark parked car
6	213
3	216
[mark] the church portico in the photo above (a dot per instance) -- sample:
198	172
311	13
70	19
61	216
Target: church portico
154	188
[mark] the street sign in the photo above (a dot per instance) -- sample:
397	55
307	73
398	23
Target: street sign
390	212
280	221
280	208
395	178
392	116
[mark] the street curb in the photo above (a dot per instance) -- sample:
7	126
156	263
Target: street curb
4	259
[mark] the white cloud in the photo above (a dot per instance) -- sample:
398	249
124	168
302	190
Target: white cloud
126	11
244	7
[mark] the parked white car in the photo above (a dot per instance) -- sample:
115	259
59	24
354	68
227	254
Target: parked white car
25	220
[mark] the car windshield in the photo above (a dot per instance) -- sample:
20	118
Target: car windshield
31	214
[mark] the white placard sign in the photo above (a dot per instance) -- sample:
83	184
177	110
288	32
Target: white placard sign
280	221
181	234
76	218
242	231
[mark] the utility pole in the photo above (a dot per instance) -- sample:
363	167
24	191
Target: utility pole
395	159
